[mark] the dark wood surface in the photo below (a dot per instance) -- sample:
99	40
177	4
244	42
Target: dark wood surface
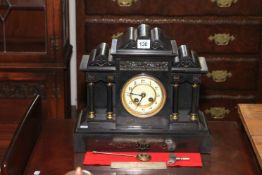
53	153
22	140
10	117
7	131
193	23
171	7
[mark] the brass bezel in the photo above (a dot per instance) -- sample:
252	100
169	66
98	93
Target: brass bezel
138	114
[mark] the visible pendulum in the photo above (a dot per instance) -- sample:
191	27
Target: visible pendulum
144	157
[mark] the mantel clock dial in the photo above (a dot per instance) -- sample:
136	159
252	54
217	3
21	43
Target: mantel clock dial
143	96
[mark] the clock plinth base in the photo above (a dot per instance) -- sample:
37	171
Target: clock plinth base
101	134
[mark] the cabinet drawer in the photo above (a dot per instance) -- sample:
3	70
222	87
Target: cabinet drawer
223	107
172	7
237	74
203	38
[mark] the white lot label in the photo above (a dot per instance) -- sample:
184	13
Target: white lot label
143	44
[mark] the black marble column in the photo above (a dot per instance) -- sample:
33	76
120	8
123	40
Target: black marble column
91	100
175	114
109	101
195	103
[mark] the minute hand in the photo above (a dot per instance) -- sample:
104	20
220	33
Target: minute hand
135	94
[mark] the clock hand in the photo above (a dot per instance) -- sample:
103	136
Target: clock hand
131	93
139	102
143	95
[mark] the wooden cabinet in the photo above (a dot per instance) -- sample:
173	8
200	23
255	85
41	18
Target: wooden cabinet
34	55
226	32
172	7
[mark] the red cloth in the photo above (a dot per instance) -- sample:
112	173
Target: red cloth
105	160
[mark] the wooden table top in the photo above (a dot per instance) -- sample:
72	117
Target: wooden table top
53	153
10	117
7	131
251	117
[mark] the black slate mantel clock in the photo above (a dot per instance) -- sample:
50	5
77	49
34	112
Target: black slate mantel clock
142	95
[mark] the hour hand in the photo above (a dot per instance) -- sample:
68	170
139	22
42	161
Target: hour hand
139	102
143	95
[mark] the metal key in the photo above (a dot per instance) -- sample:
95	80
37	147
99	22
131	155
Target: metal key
141	156
173	158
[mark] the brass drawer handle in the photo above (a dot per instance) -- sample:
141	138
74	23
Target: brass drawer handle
117	35
221	39
224	3
217	112
124	3
219	76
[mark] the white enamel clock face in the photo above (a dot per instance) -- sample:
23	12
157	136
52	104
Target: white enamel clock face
143	96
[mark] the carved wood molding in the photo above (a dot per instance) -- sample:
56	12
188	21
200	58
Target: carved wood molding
174	20
21	89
